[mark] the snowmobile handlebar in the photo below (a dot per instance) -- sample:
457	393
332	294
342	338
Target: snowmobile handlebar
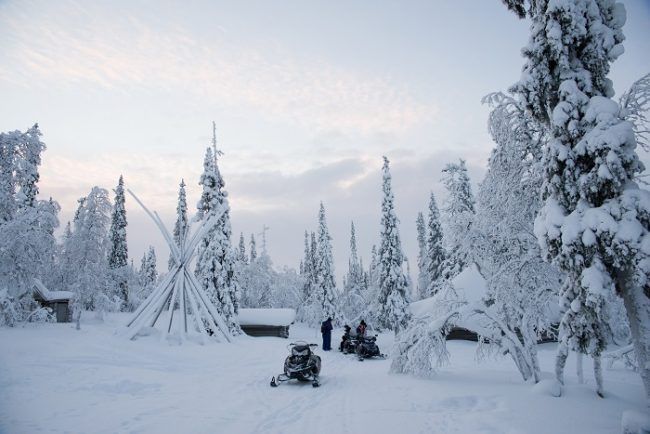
302	343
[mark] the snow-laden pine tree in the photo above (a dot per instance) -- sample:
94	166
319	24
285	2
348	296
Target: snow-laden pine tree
241	250
392	302
522	288
435	250
411	290
88	249
352	302
8	161
423	277
310	309
458	215
27	243
595	219
148	273
325	290
182	224
118	250
27	175
308	270
354	275
260	277
27	252
253	249
216	264
373	268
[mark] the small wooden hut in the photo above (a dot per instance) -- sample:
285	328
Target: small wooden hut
58	301
266	322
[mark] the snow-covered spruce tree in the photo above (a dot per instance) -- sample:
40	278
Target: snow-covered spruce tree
423	277
307	269
308	275
253	249
118	250
9	143
392	302
241	250
216	264
314	255
88	249
458	215
27	252
435	250
27	175
148	274
352	302
371	289
373	268
27	225
287	289
182	224
595	219
325	289
411	290
310	309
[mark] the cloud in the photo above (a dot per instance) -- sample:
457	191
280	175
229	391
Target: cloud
82	44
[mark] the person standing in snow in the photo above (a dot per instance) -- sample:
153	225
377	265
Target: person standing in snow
326	330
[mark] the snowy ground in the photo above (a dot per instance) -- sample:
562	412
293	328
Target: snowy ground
54	378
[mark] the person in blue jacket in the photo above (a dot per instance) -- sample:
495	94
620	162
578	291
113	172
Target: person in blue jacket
326	330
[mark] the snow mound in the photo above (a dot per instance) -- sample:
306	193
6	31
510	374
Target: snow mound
469	285
635	422
548	387
271	317
422	308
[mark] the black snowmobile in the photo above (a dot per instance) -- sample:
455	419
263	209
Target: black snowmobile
366	348
349	341
302	365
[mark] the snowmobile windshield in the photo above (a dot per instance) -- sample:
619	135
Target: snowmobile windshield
300	350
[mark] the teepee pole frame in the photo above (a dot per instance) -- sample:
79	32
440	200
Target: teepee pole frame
181	286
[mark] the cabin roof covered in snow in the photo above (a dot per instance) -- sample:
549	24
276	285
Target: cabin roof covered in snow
271	317
48	295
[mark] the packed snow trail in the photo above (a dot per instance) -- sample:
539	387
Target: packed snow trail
57	379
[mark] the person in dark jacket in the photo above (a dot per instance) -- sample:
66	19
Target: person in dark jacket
361	329
326	330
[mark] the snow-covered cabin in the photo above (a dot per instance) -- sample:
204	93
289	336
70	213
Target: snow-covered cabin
266	322
58	301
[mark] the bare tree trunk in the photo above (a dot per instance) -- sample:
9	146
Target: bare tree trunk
637	306
77	315
598	375
560	361
581	376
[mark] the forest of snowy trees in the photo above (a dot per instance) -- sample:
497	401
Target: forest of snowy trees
558	227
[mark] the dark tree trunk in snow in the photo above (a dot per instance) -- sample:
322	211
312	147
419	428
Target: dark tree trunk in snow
637	306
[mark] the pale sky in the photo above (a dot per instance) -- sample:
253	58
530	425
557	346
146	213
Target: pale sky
307	97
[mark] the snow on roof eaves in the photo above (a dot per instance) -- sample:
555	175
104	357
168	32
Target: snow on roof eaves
48	295
270	317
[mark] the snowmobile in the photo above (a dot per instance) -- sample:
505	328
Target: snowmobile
367	347
350	343
302	365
